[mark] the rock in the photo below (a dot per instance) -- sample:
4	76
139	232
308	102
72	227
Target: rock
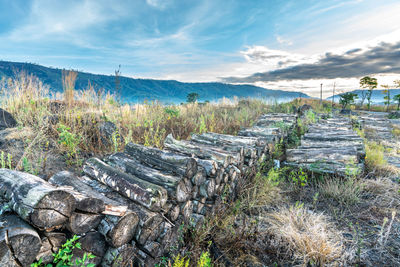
6	120
394	115
107	129
303	109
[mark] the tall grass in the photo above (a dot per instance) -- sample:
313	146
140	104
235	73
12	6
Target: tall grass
81	112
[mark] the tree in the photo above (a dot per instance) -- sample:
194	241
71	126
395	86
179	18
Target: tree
347	99
192	97
387	96
397	99
370	84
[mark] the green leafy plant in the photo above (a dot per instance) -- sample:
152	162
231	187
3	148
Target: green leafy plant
70	141
397	99
205	260
347	99
370	84
63	257
299	177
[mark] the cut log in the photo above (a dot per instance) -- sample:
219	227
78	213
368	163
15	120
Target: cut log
148	221
19	242
144	193
322	154
92	243
124	256
201	151
80	222
119	230
197	220
84	202
173	213
35	200
207	189
51	243
153	248
267	134
200	177
187	210
210	166
175	186
179	164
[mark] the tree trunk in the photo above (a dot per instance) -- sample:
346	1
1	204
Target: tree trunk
148	221
51	243
19	242
162	160
80	222
224	158
144	193
70	183
35	200
124	256
93	243
175	186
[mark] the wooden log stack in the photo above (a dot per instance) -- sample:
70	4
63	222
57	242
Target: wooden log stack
330	146
127	207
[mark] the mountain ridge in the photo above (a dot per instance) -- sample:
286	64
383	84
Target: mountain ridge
138	89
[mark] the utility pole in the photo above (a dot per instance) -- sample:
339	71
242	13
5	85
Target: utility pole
333	93
320	100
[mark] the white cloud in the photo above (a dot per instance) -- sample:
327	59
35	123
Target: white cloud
283	41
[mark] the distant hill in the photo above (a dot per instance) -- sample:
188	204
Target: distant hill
138	90
377	95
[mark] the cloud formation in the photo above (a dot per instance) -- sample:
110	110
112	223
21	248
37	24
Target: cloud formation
383	58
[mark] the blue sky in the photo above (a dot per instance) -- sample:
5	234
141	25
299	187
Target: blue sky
215	40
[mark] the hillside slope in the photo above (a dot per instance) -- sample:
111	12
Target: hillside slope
141	89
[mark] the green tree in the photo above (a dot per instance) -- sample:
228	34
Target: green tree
397	99
370	84
386	92
347	99
192	97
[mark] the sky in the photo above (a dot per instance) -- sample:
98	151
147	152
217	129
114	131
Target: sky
290	45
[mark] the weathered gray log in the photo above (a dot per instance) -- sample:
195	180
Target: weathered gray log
207	189
347	155
91	243
267	134
51	243
84	202
202	140
209	166
173	213
80	222
19	242
187	210
172	162
201	151
331	137
35	200
197	220
124	256
149	195
200	177
153	248
118	230
176	187
148	221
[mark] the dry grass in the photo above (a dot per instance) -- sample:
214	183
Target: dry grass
307	237
344	191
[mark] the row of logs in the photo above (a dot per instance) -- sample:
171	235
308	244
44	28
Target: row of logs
127	207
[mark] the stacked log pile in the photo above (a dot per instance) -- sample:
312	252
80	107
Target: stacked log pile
127	207
378	127
330	146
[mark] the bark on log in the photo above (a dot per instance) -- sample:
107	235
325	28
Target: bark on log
118	230
70	183
124	256
80	222
144	193
209	166
148	221
153	248
162	160
224	158
207	189
328	154
51	243
266	134
187	210
173	213
176	187
35	200
19	242
93	243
